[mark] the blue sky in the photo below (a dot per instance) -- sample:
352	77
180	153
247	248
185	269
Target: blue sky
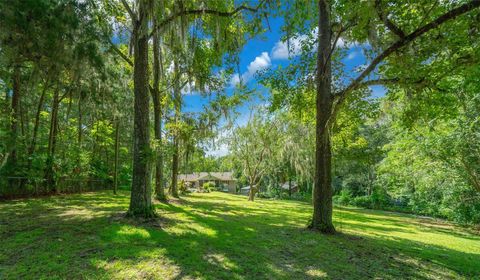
267	50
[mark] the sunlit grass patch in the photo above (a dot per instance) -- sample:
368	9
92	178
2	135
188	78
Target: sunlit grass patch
223	236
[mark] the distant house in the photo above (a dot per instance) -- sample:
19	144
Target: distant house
221	179
245	190
286	187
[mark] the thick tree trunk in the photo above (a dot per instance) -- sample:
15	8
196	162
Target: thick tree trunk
157	108
140	199
322	192
117	145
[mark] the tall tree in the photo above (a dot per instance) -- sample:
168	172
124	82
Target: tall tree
140	199
340	21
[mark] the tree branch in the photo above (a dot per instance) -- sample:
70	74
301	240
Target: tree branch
133	16
120	53
342	95
388	23
171	18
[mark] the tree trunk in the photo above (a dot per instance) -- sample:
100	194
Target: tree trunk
140	199
117	145
177	104
36	125
252	192
174	187
157	108
289	186
52	140
322	192
15	116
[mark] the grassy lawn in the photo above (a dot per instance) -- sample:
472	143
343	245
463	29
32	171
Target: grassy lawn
222	236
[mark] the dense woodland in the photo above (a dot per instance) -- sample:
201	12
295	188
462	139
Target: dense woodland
92	99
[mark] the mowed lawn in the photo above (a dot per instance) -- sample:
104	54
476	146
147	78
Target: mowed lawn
223	236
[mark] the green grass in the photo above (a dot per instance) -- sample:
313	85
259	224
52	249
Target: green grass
222	236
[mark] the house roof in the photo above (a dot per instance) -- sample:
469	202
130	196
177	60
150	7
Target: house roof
193	177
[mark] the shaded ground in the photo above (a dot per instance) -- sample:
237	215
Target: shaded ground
222	236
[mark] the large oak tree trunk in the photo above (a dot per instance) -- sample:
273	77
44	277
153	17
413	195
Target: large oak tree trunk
140	199
322	193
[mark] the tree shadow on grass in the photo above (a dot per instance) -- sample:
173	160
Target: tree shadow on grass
202	239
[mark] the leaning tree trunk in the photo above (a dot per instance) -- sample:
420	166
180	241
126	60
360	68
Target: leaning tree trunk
157	108
140	199
322	193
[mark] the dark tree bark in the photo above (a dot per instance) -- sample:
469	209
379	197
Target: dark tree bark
140	199
322	193
117	145
157	108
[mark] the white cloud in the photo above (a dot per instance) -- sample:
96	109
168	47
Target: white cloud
259	63
352	55
235	80
292	48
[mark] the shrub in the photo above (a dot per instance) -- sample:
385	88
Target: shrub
209	187
182	187
362	201
344	198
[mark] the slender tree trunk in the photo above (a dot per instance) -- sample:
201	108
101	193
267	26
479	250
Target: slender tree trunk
52	139
36	125
80	128
289	186
157	108
322	192
174	187
252	192
16	96
117	145
140	199
177	102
